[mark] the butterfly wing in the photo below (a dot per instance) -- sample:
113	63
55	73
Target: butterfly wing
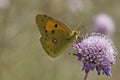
46	23
55	36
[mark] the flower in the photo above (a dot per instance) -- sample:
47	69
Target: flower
96	52
75	5
104	24
4	4
79	5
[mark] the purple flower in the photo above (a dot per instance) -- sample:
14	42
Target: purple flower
104	24
96	52
4	4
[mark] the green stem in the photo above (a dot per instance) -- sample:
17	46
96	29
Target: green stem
86	75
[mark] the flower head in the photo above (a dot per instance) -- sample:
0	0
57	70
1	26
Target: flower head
96	52
75	5
104	24
4	4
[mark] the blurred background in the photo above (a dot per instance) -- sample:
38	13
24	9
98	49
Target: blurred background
21	53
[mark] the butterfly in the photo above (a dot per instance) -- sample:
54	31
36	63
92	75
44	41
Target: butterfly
56	37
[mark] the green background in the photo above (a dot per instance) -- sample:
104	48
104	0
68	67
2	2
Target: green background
21	53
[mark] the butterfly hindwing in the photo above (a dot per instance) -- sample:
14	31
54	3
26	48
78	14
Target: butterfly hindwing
55	45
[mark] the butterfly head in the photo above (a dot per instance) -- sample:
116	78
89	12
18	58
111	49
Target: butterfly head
75	33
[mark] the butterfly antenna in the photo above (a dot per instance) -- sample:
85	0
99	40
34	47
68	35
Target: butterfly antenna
81	30
80	24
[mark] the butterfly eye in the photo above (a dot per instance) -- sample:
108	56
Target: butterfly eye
44	27
56	25
54	40
45	15
45	30
42	20
53	31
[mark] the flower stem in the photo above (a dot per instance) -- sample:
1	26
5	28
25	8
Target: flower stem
86	75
